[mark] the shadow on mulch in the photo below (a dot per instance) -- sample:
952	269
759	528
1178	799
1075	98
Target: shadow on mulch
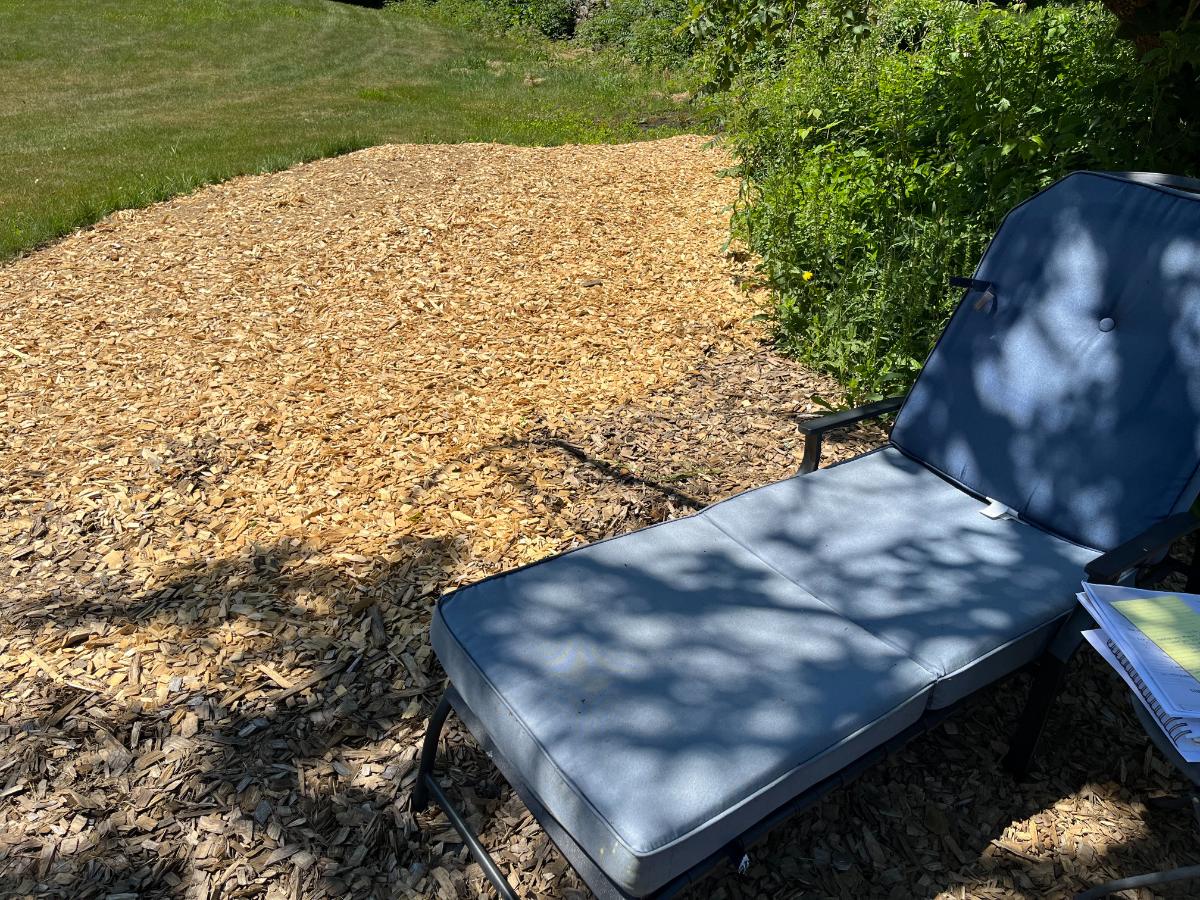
267	774
943	819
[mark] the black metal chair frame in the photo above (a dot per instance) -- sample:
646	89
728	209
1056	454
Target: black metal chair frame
1142	559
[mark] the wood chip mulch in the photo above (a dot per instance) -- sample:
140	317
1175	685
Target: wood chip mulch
251	434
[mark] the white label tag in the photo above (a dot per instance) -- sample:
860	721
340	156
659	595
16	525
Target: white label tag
997	510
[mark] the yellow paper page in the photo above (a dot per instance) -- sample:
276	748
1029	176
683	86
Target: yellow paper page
1171	624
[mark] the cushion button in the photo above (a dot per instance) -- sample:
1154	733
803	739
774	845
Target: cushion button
1107	324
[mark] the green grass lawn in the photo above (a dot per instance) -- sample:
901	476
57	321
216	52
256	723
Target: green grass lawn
107	104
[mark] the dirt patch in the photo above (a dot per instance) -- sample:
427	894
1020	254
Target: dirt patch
250	435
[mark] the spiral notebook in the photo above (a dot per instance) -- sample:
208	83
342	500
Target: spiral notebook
1176	689
1182	731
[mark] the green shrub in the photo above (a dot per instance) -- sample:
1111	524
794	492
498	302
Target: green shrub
478	15
650	32
880	149
553	18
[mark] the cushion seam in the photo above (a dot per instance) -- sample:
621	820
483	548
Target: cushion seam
916	658
807	590
971	492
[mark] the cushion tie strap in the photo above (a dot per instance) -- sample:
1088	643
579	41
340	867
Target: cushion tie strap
987	289
998	511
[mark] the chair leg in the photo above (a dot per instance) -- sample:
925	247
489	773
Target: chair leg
420	794
477	850
1047	681
427	788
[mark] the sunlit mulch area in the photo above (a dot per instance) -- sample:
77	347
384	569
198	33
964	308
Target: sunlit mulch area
250	435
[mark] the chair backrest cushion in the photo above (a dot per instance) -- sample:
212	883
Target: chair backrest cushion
1073	395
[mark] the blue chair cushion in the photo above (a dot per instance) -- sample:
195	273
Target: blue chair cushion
661	692
898	550
1074	397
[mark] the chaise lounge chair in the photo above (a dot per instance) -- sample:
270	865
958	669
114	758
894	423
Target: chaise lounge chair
660	699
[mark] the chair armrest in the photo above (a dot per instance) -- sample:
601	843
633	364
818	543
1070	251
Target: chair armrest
1111	566
814	429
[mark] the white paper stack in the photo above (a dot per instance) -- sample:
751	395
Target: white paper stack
1161	684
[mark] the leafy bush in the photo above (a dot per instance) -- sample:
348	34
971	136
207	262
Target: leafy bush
553	18
882	143
740	34
651	32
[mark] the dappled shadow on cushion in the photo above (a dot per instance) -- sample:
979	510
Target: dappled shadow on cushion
1073	395
666	676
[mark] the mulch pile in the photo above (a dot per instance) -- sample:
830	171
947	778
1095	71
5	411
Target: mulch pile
249	437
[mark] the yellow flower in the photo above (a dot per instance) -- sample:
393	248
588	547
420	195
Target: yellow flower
807	276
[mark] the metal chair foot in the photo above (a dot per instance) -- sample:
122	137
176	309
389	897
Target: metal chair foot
420	794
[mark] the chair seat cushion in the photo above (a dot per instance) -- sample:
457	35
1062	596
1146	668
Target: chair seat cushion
661	692
898	550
